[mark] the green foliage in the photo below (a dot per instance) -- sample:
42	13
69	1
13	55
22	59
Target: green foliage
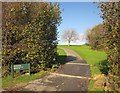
104	67
9	81
95	36
30	34
111	16
54	67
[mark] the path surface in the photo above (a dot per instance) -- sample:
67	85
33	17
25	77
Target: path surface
73	76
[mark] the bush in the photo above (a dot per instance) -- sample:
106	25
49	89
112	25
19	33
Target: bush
104	67
30	34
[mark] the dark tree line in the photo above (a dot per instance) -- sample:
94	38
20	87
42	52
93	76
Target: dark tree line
29	34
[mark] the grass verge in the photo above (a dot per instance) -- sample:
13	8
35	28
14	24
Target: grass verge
11	83
61	59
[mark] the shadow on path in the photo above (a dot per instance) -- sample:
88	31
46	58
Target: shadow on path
63	59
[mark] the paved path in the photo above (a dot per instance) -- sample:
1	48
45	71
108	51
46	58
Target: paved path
73	76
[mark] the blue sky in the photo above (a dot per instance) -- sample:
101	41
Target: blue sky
79	16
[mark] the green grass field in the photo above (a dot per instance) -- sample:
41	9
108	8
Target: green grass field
92	57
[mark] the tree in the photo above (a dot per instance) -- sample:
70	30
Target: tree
29	34
95	36
111	16
70	35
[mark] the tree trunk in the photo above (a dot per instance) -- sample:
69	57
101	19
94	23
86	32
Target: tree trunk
68	43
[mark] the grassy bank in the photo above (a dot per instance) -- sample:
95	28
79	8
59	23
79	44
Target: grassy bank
92	57
12	83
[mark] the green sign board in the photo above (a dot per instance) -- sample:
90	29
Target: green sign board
15	67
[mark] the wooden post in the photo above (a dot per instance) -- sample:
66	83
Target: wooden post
29	68
12	70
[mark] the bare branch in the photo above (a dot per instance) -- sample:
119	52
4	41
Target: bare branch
70	35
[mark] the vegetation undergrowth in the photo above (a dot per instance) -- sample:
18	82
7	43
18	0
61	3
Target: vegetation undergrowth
9	82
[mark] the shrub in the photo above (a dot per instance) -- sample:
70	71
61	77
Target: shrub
29	34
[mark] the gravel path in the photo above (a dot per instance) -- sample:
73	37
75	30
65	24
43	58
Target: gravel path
73	76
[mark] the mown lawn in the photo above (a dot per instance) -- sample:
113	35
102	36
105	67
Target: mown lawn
92	57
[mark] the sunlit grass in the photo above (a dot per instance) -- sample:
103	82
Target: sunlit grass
61	56
92	57
11	82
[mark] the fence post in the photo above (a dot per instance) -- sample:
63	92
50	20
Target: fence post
29	68
12	70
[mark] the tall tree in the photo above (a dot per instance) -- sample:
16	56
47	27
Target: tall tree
30	34
70	35
111	16
95	36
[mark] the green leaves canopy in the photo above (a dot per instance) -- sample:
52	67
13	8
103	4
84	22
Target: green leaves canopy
30	34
